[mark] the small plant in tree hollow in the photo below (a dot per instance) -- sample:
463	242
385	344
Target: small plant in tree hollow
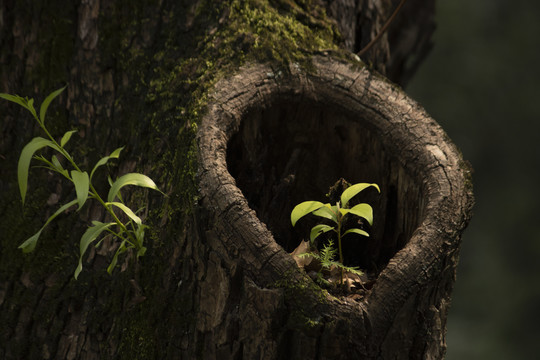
130	232
336	214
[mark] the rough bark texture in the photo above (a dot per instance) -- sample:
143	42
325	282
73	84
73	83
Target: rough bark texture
216	281
406	43
338	120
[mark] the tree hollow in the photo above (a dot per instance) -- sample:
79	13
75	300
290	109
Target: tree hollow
272	139
297	146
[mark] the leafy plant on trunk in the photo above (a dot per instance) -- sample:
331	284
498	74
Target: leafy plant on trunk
336	214
130	233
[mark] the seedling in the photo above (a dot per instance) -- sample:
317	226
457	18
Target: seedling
336	214
130	233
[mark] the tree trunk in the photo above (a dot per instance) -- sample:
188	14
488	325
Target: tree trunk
239	110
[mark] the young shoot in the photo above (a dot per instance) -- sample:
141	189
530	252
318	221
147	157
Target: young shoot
336	214
129	233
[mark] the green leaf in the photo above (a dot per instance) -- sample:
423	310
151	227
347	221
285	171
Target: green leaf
58	167
353	190
121	249
141	251
318	230
328	212
49	165
82	185
364	211
14	98
350	269
126	210
356	231
56	163
303	209
66	137
45	105
114	155
130	179
30	243
26	103
328	253
24	161
30	107
139	234
88	237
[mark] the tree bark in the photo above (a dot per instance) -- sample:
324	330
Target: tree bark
239	110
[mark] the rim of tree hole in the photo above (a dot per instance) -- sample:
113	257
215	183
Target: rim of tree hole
273	138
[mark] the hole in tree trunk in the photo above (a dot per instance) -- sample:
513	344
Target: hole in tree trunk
296	148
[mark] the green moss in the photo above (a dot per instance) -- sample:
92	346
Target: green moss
281	32
304	299
137	340
170	78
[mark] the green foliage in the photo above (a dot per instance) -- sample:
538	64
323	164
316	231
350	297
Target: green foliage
327	258
130	233
336	214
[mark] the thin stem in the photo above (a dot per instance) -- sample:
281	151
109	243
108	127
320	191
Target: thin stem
383	30
133	241
339	218
93	192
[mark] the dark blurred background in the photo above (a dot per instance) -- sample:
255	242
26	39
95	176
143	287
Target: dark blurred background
481	82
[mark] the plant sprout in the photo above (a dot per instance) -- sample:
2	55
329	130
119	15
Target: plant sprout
130	233
336	214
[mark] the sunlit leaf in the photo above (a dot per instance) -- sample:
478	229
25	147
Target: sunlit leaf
88	237
58	167
318	230
328	252
66	137
364	211
56	163
303	209
353	190
30	243
328	212
82	185
14	98
45	105
130	179
42	158
356	231
114	155
127	211
26	103
24	161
